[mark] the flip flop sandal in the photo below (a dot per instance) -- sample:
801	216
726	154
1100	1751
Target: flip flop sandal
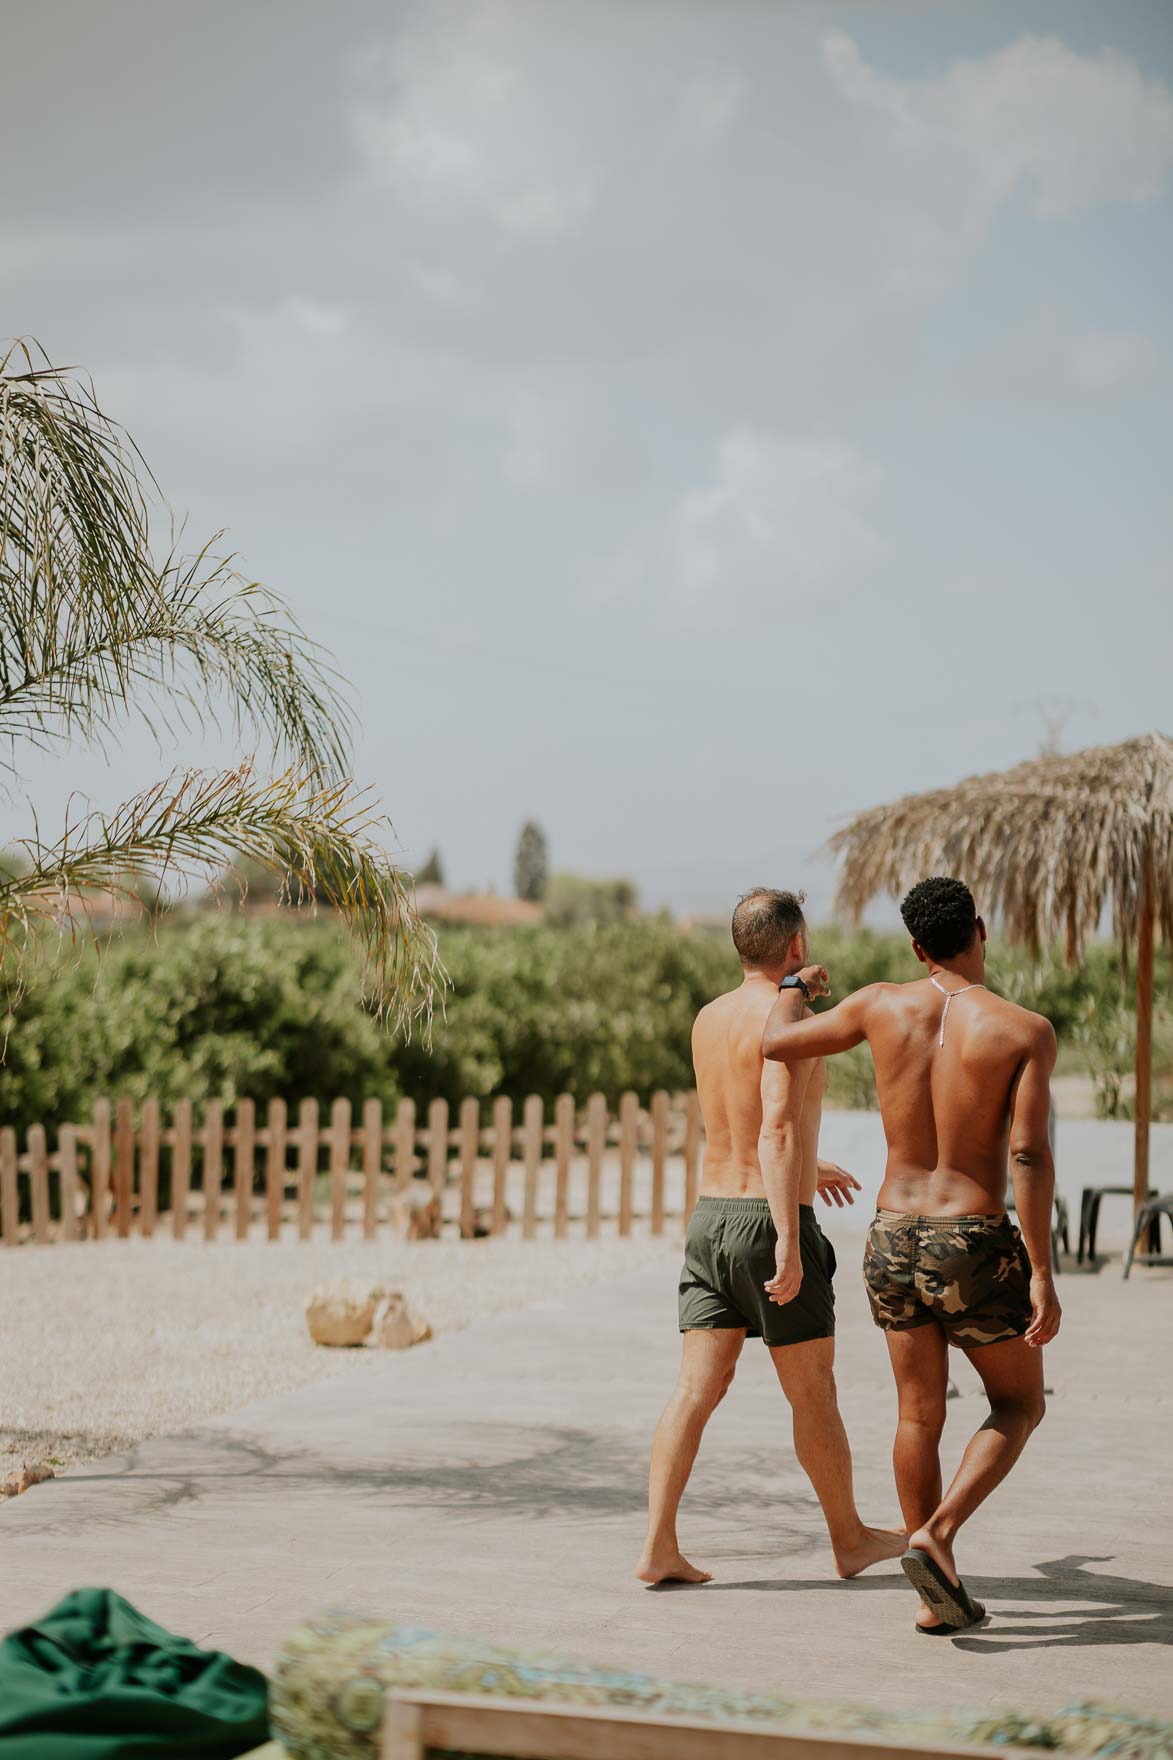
944	1631
951	1601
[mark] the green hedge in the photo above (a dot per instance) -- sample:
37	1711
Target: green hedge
225	1003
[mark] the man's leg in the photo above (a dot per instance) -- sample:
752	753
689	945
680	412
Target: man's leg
920	1363
1012	1373
807	1374
707	1361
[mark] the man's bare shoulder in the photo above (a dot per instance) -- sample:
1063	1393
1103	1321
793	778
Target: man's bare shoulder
731	1004
717	1006
1033	1031
736	1018
868	1008
870	996
1035	1028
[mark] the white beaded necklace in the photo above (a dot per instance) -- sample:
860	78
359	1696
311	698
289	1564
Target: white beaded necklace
949	995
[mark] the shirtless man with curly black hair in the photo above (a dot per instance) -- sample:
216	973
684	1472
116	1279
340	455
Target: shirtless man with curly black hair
963	1081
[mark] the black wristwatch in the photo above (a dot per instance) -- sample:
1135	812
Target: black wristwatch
796	982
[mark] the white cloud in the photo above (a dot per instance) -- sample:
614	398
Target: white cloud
439	287
781	518
527	462
781	514
617	244
608	190
298	381
712	103
1105	363
1075	129
314	317
292	348
1049	359
448	115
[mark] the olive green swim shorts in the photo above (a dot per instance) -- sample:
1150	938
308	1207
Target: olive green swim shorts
969	1273
729	1257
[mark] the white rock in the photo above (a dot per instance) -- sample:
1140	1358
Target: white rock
341	1312
395	1327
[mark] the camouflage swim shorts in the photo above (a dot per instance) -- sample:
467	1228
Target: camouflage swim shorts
969	1273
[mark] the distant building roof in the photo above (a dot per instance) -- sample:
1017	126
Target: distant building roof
482	909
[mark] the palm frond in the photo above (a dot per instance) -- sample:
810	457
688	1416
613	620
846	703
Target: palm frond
1047	846
319	840
75	550
209	640
89	617
94	626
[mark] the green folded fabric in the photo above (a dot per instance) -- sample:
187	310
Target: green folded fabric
96	1680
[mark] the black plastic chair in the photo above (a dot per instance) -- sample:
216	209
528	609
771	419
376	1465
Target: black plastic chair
1059	1229
1149	1217
1089	1218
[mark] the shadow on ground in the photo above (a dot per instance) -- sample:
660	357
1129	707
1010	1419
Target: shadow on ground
519	1471
1127	1610
506	1470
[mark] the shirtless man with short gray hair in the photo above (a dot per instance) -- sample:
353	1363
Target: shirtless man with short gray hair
756	1263
963	1082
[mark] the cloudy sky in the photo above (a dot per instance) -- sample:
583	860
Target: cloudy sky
686	422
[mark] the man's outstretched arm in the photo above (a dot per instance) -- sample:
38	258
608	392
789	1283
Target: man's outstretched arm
788	1036
1033	1172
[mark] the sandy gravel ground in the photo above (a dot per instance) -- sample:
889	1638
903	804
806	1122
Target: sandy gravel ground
106	1344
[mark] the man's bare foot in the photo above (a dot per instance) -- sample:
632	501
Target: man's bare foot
940	1550
669	1567
925	1616
873	1545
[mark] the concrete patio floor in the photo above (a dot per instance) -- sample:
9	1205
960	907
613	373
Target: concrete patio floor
493	1483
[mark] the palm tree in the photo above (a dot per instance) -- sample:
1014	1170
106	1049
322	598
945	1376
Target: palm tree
96	627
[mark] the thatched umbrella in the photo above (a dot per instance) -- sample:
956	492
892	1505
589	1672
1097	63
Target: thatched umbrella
1046	847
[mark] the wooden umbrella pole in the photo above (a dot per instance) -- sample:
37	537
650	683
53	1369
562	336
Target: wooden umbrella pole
1144	1040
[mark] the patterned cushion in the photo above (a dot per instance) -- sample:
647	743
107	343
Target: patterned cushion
326	1699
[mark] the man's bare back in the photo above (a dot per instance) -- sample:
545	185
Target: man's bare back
947	1105
727	1058
963	1083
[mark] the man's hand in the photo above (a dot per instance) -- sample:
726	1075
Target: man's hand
1045	1310
787	1279
835	1185
816	980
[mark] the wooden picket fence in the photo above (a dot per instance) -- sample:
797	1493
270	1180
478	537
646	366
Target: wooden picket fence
104	1178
